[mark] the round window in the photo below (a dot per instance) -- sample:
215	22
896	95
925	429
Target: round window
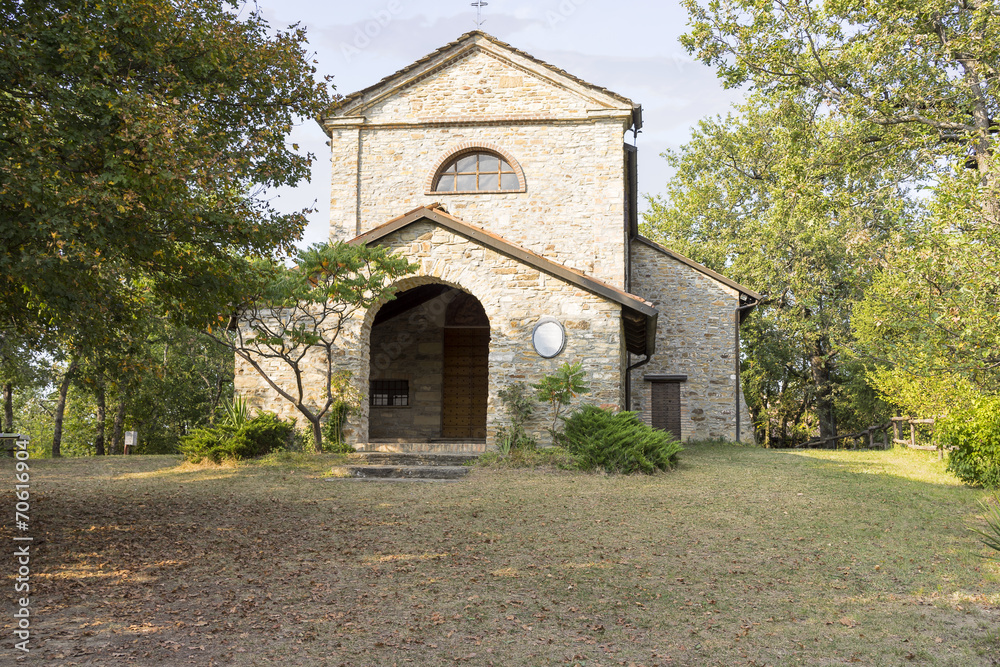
549	338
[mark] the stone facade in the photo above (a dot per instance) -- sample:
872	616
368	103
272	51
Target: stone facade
559	246
695	337
567	143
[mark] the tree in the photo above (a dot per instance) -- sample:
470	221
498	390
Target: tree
786	198
560	388
137	139
295	317
920	77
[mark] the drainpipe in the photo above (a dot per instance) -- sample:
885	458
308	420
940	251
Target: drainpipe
739	319
628	381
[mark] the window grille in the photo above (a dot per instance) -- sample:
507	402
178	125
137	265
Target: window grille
389	393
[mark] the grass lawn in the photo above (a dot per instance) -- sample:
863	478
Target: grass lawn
742	556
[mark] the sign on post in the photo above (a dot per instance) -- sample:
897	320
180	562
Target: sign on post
131	441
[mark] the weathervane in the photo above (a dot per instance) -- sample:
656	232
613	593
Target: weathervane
479	4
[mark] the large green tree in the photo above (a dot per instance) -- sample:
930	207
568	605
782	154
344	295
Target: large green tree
137	141
920	76
796	203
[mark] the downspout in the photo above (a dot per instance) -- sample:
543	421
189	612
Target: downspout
739	321
628	380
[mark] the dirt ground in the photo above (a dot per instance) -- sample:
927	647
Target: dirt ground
740	557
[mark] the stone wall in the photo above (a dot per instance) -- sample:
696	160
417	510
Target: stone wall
695	337
514	297
568	147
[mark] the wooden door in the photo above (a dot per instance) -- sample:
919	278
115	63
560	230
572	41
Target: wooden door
465	383
667	407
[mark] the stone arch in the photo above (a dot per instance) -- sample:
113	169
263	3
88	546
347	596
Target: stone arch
457	150
402	343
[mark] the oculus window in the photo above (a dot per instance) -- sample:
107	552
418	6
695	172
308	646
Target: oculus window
548	338
477	172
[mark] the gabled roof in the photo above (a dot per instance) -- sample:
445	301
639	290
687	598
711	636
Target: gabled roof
475	39
701	268
639	315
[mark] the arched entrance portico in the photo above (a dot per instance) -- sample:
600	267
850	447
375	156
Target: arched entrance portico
429	367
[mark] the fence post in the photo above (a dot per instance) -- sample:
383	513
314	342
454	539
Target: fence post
913	434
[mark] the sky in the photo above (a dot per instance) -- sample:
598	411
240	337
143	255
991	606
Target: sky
628	46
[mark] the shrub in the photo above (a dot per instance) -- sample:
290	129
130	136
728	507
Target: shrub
333	430
991	536
261	435
560	388
617	442
547	457
518	406
975	435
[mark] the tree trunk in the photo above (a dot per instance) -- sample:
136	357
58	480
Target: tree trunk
8	407
99	440
116	436
820	367
61	410
317	436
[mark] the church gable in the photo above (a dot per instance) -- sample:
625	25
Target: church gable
481	86
480	78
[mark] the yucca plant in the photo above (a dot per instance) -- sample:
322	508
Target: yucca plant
237	412
991	535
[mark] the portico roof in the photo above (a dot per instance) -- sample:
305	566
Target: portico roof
638	315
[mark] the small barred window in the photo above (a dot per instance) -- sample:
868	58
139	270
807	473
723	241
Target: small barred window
477	172
389	393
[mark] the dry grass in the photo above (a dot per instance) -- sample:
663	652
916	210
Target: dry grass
740	557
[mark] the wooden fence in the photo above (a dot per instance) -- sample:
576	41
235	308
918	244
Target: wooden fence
866	438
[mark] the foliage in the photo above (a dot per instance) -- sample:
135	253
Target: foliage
975	435
236	412
291	318
931	322
137	141
347	402
537	457
792	203
918	80
618	442
560	388
991	536
261	435
518	405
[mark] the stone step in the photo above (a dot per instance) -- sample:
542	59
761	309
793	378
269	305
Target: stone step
413	458
434	472
426	447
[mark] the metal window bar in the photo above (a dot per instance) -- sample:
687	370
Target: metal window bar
389	393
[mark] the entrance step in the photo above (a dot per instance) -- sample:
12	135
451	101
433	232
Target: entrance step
431	472
406	466
427	447
412	458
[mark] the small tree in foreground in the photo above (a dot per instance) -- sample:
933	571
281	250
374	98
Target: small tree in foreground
560	388
295	316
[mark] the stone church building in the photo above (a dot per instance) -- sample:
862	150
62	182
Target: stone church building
510	183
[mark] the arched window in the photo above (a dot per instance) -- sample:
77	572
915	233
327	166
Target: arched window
477	171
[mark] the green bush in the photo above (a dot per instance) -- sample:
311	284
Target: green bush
261	435
617	442
518	405
975	435
546	457
333	429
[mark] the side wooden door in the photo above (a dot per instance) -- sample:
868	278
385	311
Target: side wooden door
667	407
465	383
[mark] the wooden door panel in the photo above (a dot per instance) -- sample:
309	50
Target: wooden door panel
666	407
465	383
